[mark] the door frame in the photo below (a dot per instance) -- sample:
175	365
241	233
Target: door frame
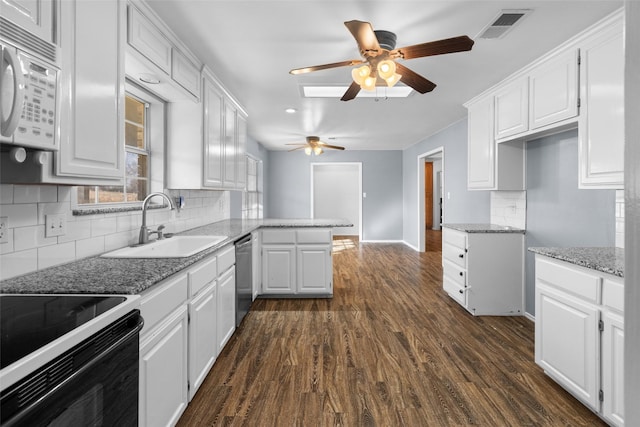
420	196
312	191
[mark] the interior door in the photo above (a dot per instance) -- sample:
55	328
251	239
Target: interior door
428	195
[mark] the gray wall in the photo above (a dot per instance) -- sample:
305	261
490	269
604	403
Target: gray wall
464	206
558	213
288	179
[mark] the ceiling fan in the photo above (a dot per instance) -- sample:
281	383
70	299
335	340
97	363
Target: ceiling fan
378	48
314	146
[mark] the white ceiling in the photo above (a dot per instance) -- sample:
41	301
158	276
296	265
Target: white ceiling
252	45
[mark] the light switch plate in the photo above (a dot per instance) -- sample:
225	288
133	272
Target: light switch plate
55	225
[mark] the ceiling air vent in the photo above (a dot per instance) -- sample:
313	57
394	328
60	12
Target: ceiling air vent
503	23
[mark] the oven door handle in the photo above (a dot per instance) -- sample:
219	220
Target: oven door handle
11	123
92	363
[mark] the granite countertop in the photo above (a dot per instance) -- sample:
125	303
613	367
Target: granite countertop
605	259
484	228
98	275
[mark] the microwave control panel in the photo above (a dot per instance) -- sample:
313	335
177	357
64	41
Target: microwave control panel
37	124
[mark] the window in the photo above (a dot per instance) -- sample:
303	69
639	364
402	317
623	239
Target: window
142	139
252	198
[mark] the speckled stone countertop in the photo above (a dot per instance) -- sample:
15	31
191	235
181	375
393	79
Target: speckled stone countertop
99	275
483	228
605	259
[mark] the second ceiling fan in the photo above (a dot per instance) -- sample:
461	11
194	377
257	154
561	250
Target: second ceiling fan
379	58
314	146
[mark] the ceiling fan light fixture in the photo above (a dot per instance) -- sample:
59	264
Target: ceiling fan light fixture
386	68
369	83
317	150
360	73
307	151
391	81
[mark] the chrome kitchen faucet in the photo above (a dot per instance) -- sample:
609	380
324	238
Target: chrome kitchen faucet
144	231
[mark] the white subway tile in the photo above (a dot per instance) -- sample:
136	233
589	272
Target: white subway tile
31	237
53	208
64	193
49	256
125	223
76	230
20	215
6	194
7	247
26	194
18	263
103	226
90	247
120	240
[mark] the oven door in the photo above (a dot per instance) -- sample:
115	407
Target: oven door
96	387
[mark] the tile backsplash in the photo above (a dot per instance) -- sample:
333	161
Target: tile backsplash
509	208
28	249
619	218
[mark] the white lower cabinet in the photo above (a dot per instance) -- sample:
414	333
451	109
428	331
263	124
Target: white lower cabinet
203	346
297	262
483	271
188	318
579	336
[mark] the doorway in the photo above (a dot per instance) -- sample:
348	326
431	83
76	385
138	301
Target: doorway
430	191
336	190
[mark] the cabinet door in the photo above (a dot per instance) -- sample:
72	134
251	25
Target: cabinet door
163	373
92	87
241	150
229	146
567	342
203	346
314	269
613	367
278	269
256	263
148	40
35	16
213	155
512	109
185	73
553	90
601	124
226	307
481	159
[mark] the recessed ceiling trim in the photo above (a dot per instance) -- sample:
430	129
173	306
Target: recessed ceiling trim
398	91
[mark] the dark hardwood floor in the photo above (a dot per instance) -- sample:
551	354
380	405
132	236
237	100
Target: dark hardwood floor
389	349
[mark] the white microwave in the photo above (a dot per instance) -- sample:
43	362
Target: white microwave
28	96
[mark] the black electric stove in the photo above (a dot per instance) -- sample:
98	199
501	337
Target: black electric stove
29	322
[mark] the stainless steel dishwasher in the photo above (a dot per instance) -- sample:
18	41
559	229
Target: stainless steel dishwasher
243	278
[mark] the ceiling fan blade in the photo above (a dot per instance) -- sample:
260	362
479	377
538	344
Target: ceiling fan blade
326	66
414	80
335	147
365	37
439	47
297	143
351	92
297	148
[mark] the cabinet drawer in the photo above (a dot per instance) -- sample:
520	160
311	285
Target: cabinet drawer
159	301
570	278
454	272
454	254
456	291
226	258
454	238
315	235
278	236
202	274
613	293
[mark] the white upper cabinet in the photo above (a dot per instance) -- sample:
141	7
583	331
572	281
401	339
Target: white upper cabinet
482	145
512	109
38	17
185	73
229	146
241	149
213	156
601	124
92	90
553	90
148	40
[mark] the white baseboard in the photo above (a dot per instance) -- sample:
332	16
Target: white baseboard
529	316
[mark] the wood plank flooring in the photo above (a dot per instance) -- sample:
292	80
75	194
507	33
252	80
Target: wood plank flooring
389	349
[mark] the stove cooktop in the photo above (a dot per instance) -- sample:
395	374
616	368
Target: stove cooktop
29	322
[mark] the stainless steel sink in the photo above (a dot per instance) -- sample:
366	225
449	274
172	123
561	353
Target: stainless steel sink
173	247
